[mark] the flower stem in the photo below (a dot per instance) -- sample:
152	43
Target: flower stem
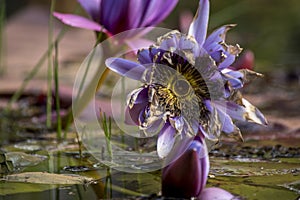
57	96
83	97
49	70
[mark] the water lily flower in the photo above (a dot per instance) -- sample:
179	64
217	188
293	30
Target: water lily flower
115	16
188	86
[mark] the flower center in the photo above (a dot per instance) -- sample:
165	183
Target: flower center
181	87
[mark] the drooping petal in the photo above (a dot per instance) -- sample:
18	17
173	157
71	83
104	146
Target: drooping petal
166	139
253	114
245	112
78	21
198	27
125	67
92	7
215	194
186	177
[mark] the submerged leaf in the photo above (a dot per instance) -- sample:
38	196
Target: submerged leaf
21	159
48	178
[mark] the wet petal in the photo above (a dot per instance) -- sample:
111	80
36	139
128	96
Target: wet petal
215	193
198	27
92	7
125	67
166	139
78	21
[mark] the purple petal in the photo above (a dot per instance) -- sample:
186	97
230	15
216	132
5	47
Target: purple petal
92	7
125	67
215	194
222	53
155	11
198	28
132	114
146	56
78	21
230	58
247	112
154	127
137	104
166	139
115	15
216	37
234	77
186	177
227	125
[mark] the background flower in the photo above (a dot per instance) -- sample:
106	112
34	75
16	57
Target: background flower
114	16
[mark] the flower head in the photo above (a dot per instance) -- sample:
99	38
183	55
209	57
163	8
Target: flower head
115	16
188	86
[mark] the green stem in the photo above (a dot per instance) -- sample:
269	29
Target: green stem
108	185
49	71
57	96
82	98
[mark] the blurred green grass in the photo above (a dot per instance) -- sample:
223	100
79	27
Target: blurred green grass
270	28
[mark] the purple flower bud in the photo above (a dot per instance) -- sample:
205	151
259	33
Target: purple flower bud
186	177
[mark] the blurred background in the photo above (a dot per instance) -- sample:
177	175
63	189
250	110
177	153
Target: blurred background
271	29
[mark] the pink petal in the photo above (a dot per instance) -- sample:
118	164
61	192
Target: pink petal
78	21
